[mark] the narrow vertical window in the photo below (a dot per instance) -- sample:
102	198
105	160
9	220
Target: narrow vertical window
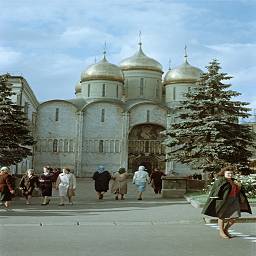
101	146
89	90
141	86
148	115
174	93
103	115
26	108
117	92
65	145
103	90
55	146
57	114
157	89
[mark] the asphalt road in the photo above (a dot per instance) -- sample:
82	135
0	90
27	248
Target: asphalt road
90	227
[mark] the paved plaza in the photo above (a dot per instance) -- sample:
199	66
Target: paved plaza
90	227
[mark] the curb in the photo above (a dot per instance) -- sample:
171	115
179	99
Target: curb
208	220
239	220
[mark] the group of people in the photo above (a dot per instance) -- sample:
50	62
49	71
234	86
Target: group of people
120	179
65	183
226	200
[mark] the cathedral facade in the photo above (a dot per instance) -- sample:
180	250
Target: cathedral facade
115	119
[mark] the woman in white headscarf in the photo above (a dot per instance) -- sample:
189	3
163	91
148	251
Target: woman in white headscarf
140	179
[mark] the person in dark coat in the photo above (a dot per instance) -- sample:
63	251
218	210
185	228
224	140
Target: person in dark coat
226	201
6	187
46	185
101	178
28	183
156	180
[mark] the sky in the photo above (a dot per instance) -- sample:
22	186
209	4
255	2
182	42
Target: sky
50	42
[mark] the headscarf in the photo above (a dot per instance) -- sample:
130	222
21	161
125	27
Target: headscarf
141	168
100	169
121	170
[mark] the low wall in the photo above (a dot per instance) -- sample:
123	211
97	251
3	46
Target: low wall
176	187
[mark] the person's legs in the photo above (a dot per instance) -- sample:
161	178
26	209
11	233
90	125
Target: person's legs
70	200
122	196
139	195
221	229
229	223
28	199
7	204
61	200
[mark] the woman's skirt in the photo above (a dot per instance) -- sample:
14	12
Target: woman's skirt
6	195
231	209
141	186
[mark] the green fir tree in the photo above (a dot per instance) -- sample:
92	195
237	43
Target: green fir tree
15	135
207	134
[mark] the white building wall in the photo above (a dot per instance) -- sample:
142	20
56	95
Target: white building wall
59	128
94	89
139	114
152	86
102	138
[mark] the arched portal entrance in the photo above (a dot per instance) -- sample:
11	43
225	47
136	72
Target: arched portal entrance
145	147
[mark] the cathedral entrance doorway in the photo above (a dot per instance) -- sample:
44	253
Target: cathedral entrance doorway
145	147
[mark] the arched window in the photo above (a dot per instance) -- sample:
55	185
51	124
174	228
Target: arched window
103	115
103	90
148	115
174	93
117	91
141	86
71	146
157	88
101	146
55	145
89	90
57	114
65	145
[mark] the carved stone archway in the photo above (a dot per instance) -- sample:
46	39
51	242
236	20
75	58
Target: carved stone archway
145	147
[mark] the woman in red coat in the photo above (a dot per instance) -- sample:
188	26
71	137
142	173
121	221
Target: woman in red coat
226	201
6	186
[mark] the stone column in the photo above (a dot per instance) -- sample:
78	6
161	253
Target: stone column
79	144
124	142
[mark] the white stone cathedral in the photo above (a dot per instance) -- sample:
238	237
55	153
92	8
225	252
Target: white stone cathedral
115	119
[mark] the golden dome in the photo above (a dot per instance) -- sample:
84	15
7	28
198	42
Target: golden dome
140	61
185	73
103	70
78	87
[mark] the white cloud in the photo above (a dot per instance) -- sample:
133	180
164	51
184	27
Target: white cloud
8	57
52	40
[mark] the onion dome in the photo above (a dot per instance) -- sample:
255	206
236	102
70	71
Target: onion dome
185	73
103	70
78	88
140	61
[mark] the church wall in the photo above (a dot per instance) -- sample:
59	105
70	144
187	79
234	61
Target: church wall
140	114
143	84
102	137
56	135
175	92
95	89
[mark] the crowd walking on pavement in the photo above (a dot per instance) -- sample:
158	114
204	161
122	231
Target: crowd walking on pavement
64	182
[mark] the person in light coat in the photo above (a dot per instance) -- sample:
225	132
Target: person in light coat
140	179
62	184
119	185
